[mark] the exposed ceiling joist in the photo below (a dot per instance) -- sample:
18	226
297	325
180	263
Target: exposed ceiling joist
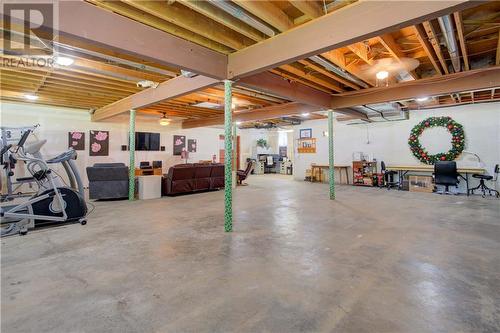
463	81
460	32
335	30
85	22
269	112
167	90
276	85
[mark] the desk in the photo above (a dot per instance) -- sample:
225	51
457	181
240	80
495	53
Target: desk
148	172
404	169
319	167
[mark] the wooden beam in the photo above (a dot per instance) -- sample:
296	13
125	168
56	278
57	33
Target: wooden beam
337	58
390	45
309	8
167	90
426	45
269	112
276	85
188	19
302	72
218	15
463	81
151	20
87	23
331	75
268	12
335	30
431	33
497	61
460	32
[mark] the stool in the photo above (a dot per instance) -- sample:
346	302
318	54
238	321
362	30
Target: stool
482	186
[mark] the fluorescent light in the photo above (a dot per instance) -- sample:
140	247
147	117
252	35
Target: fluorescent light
422	99
208	105
64	61
31	97
238	123
382	75
305	114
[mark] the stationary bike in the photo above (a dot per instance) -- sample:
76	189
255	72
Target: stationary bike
52	204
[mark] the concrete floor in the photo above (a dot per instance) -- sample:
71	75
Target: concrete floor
371	261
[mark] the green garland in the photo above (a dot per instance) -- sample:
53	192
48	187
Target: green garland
457	140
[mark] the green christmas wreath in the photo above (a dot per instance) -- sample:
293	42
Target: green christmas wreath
457	140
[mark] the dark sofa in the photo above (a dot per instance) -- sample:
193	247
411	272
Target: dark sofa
108	181
188	178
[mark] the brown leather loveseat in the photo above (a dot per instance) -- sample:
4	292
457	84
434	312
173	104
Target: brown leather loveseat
187	178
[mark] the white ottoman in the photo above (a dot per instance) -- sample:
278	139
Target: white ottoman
149	187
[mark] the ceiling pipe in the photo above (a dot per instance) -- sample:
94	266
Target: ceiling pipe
451	42
337	70
243	16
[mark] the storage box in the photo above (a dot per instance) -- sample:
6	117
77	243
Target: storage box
421	184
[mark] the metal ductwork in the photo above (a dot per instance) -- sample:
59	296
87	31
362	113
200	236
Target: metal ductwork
446	25
337	70
243	16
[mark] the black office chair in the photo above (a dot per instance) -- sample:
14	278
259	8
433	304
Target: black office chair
445	173
388	177
482	186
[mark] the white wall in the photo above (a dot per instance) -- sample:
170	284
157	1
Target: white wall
55	123
388	141
248	143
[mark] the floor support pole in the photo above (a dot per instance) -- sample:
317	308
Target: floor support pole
228	161
331	169
131	171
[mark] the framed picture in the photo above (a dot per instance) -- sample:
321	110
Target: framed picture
179	144
305	133
76	140
192	145
99	143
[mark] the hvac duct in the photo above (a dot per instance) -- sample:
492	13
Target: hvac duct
243	16
331	67
451	42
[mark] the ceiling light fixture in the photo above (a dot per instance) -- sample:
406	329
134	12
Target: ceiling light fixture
382	75
238	123
305	114
164	121
31	97
64	61
422	99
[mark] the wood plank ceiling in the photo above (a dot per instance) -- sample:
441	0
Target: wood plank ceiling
99	77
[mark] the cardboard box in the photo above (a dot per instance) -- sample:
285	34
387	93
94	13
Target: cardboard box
421	184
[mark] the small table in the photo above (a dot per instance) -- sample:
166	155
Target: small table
404	169
149	187
319	167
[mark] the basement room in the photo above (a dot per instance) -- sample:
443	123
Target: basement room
250	166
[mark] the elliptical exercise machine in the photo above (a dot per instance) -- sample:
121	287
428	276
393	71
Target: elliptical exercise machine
52	204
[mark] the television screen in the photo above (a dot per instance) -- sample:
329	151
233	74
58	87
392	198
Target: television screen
147	141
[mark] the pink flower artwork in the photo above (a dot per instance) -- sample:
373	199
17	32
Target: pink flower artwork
74	143
178	142
76	135
101	136
96	147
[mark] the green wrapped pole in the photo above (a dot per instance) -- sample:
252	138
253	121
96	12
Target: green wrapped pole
235	149
131	171
228	172
331	169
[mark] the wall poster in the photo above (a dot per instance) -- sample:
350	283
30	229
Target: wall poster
179	144
99	143
76	140
192	145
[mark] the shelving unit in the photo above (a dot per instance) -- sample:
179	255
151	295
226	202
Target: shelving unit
363	173
306	146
